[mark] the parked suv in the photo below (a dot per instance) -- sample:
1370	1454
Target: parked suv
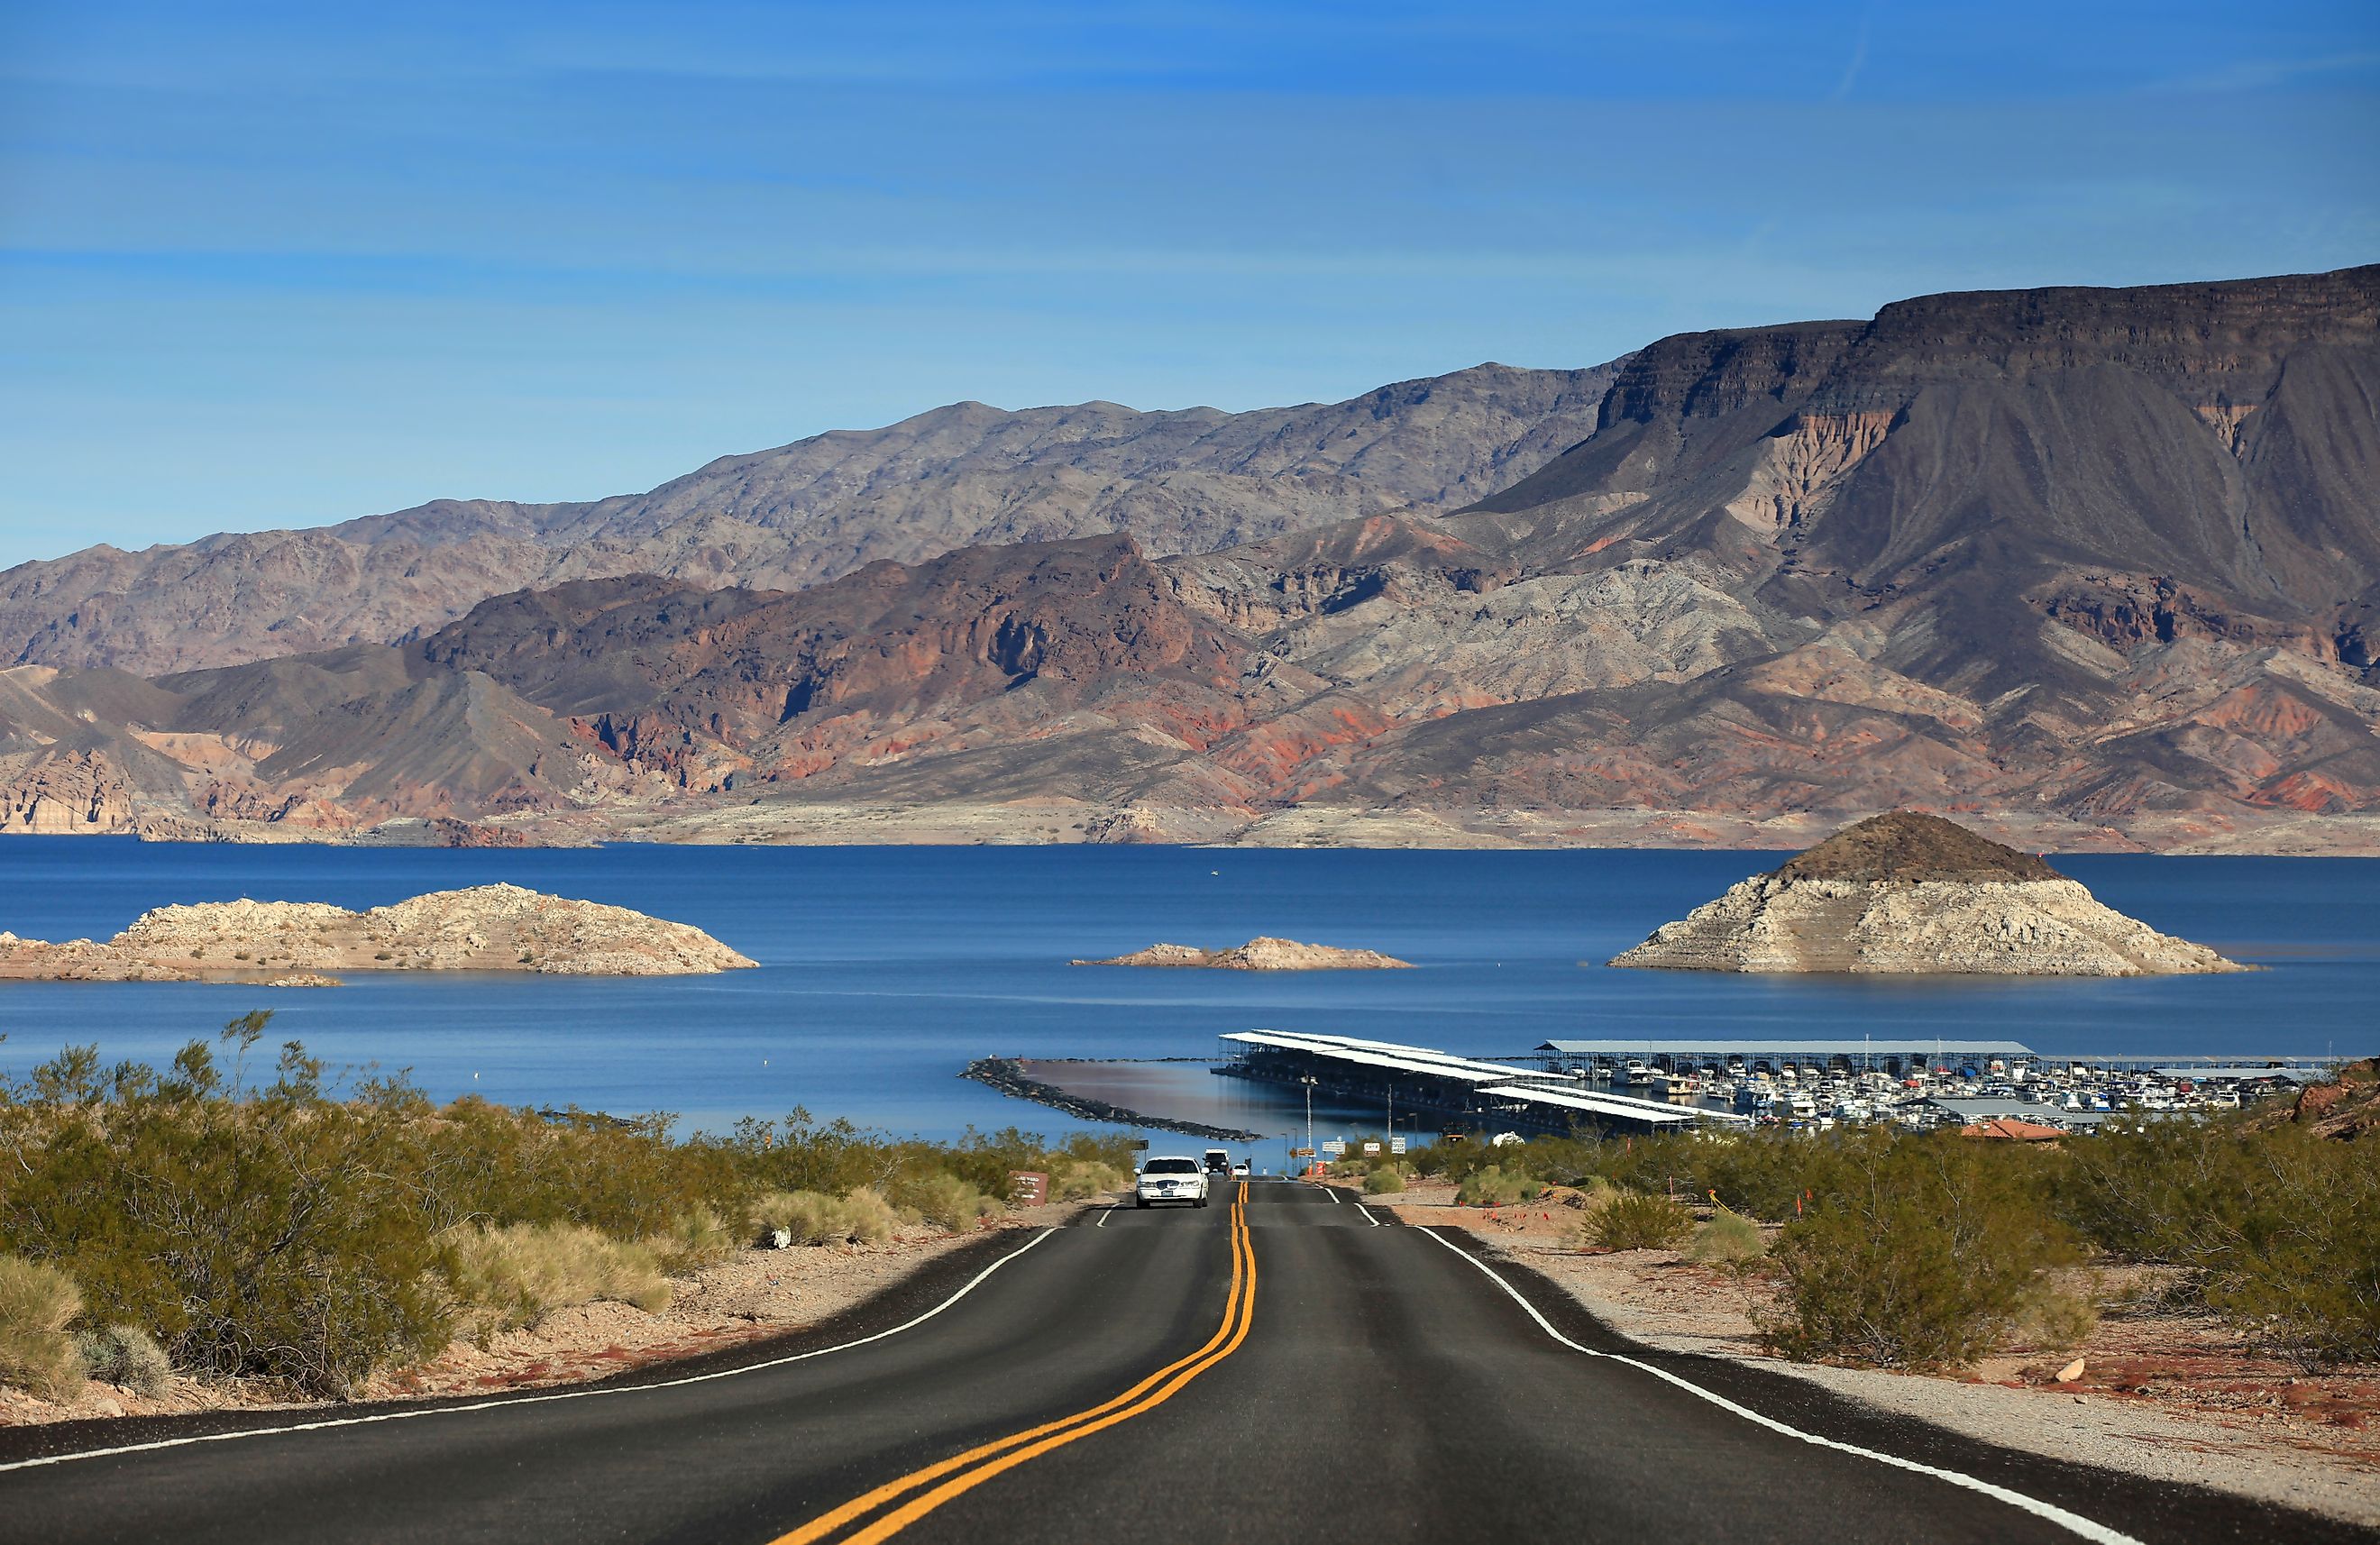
1170	1178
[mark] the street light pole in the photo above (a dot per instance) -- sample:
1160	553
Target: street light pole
1308	1082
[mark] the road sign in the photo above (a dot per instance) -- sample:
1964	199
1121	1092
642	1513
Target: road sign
1371	1147
1334	1147
1396	1145
1301	1153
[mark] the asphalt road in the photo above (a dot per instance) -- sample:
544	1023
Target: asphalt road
1289	1368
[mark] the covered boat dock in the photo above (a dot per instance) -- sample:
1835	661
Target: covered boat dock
1461	1093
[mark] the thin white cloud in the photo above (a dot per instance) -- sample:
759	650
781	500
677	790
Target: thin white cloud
1859	57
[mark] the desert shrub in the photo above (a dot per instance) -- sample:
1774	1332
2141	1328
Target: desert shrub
810	1218
1492	1187
1639	1221
1729	1239
947	1201
1595	1193
693	1239
2278	1231
1384	1182
260	1230
37	1303
509	1277
125	1355
1075	1179
1921	1252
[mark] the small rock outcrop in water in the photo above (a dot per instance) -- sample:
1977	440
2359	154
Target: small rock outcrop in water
486	928
1260	955
1904	893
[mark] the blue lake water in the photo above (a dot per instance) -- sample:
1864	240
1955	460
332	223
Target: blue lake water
885	970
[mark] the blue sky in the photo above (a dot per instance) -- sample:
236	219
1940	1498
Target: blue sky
271	265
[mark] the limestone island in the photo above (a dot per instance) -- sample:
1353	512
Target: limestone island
1259	955
290	944
1905	892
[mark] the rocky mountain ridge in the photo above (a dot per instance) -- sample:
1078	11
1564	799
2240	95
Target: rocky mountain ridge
963	475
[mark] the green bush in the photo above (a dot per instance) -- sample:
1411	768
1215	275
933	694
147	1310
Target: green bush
947	1201
2278	1231
1639	1221
1384	1182
1492	1187
124	1356
37	1303
1930	1253
515	1276
1729	1239
258	1229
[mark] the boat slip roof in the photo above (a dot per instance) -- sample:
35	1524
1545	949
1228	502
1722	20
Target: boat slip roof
1380	1053
1651	1110
1493	1078
1883	1045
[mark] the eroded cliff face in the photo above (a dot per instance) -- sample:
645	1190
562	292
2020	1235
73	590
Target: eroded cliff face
77	794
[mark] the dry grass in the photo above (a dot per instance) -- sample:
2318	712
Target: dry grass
516	1276
124	1356
1077	1180
861	1217
37	1303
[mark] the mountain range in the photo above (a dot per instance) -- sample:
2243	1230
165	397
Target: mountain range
2087	567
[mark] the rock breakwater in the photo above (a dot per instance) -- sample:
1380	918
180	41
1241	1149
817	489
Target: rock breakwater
484	927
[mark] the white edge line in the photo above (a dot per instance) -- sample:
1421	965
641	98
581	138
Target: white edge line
2073	1522
973	1282
1367	1214
1103	1217
1331	1191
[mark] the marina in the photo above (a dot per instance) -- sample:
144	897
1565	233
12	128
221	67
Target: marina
1616	1088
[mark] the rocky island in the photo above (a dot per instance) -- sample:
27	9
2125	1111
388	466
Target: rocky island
484	927
1911	893
1259	955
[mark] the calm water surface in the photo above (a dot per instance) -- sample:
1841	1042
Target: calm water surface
884	970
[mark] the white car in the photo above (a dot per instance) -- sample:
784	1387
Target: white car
1170	1178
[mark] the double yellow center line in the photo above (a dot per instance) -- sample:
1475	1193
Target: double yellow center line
963	1473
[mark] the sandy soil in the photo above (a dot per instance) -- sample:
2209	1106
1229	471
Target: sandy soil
2169	1396
756	1295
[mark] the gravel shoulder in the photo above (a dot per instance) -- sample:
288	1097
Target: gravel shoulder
756	1295
2161	1396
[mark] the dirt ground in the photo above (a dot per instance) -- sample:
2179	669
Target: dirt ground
755	1294
2171	1396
